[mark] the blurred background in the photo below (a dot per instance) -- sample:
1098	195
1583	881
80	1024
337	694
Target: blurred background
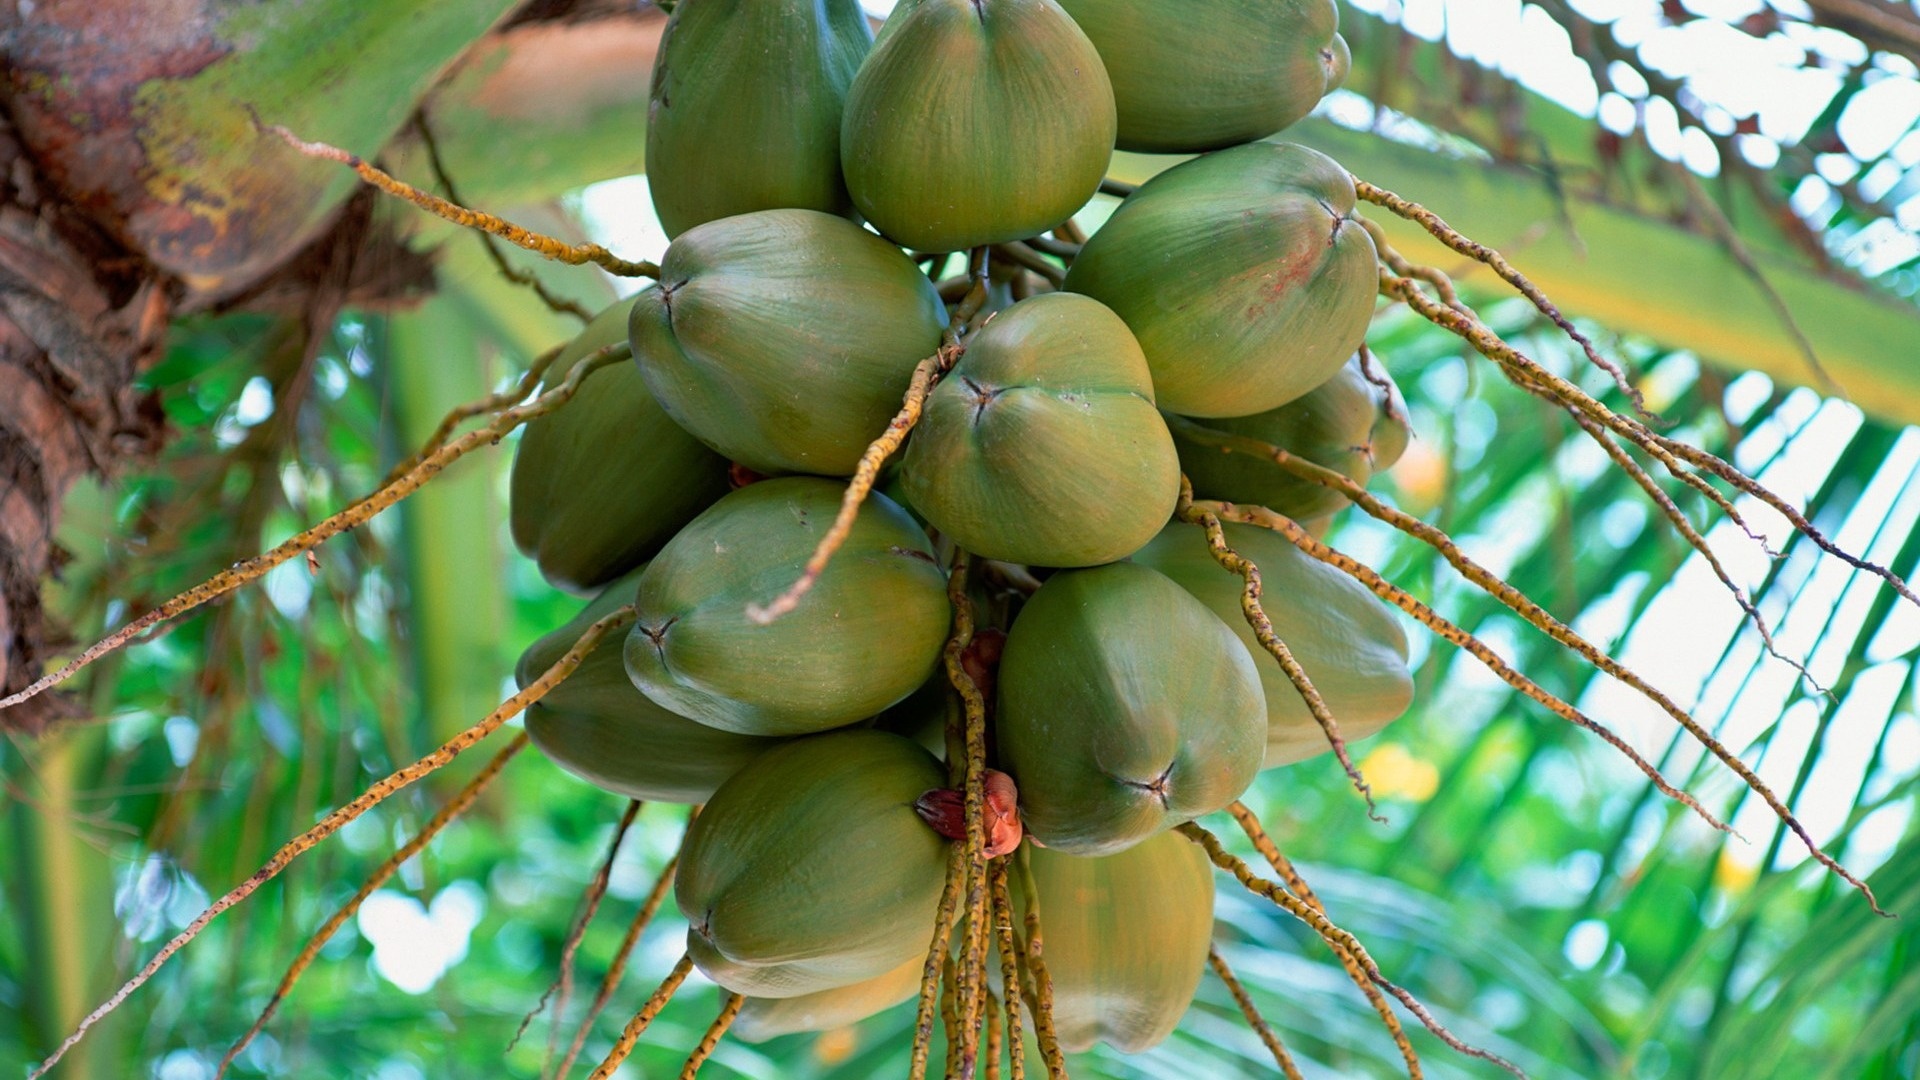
1725	191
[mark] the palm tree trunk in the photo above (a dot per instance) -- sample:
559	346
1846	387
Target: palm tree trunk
79	319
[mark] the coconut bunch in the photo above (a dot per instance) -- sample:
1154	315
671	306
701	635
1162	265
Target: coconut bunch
814	178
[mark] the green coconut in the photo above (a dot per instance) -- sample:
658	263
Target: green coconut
1346	424
1042	445
867	635
785	339
1349	643
761	1018
1126	708
745	109
598	727
810	869
1195	75
599	484
1243	274
976	122
1126	939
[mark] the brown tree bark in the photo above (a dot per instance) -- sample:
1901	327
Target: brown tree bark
79	318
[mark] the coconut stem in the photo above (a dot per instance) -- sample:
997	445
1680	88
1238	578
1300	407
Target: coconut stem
1394	262
1256	616
491	403
353	516
538	243
1487	256
562	984
1040	992
311	951
1697	542
945	916
1441	627
341	817
1252	1012
992	1053
1676	456
1250	824
618	968
1400	264
950	1014
973	966
1010	982
1529	375
630	1036
1487	581
1335	937
729	1009
523	278
1024	255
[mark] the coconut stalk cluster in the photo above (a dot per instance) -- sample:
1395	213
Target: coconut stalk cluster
950	602
1117	688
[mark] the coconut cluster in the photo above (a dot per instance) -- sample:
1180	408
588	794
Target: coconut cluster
795	161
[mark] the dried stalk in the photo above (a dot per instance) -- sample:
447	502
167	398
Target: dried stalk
339	819
539	244
1336	937
455	806
353	516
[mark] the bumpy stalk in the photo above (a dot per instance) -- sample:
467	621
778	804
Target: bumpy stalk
1334	937
1527	373
455	806
630	1036
1250	824
522	278
1441	627
562	983
973	965
943	922
717	1030
648	909
1473	249
1033	956
1009	964
538	243
1252	1012
1256	616
341	817
352	517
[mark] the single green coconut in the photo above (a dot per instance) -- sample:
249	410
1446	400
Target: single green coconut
868	633
976	122
600	483
1195	75
1126	708
1042	445
597	726
1126	939
810	869
1346	424
1349	643
746	104
785	339
1242	273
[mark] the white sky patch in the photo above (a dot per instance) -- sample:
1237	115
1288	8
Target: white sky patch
1881	113
414	945
619	214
